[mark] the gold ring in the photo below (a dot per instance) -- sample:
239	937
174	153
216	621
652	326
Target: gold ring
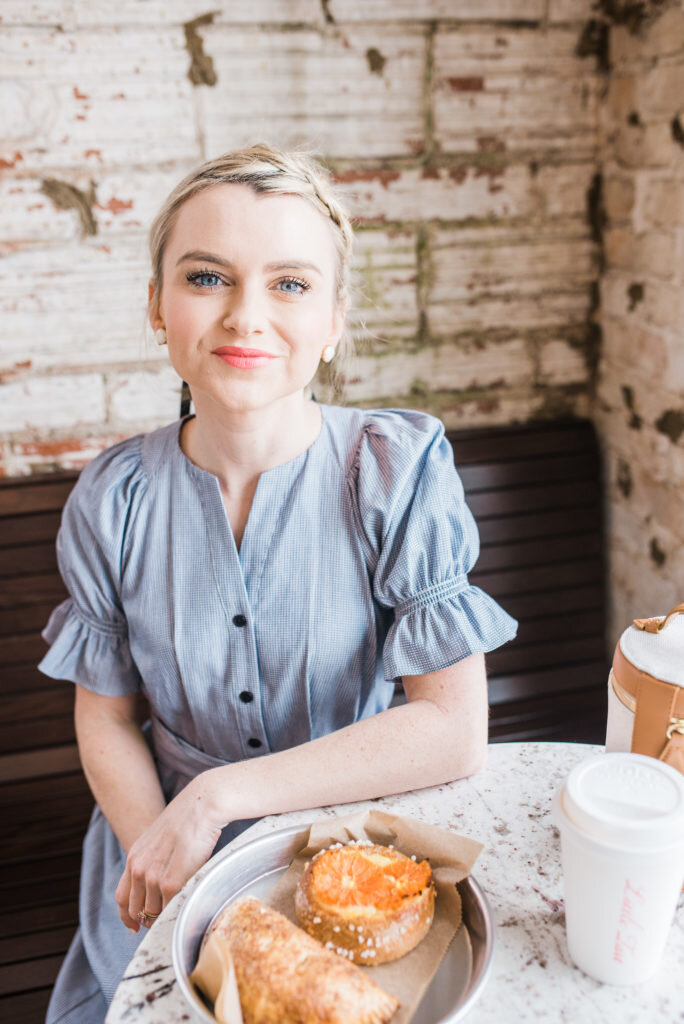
144	916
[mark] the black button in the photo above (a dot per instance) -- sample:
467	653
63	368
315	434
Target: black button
239	620
246	697
253	742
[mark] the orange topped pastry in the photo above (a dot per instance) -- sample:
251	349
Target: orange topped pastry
369	903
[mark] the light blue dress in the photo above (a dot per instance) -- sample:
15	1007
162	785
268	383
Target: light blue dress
352	572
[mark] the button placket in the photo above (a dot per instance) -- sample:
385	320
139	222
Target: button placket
251	724
271	493
233	590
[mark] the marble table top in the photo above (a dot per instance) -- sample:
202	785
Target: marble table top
507	808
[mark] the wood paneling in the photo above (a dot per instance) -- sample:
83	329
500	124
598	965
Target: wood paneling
535	491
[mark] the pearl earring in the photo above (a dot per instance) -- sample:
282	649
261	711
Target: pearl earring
160	335
328	353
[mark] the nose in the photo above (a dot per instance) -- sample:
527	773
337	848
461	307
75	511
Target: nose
245	314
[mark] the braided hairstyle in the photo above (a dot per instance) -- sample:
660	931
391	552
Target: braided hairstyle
267	171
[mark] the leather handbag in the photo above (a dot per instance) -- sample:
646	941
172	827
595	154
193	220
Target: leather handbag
646	689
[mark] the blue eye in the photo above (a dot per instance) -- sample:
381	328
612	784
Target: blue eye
199	279
293	286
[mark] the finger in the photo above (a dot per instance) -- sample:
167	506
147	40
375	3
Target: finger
136	897
154	903
122	896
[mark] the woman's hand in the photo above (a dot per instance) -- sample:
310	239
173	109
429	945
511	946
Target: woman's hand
168	853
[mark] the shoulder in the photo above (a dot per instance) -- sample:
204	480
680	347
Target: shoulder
110	477
112	486
396	445
364	436
407	431
399	455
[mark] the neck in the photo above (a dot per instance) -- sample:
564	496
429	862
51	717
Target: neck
238	446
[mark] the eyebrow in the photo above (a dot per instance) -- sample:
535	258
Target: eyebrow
208	257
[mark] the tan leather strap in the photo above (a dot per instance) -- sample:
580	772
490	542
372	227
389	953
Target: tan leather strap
659	707
629	677
673	752
659	622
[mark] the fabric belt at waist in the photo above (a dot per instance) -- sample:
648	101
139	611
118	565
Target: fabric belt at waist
175	754
178	762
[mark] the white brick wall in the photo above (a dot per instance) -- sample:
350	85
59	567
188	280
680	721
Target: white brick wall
640	401
464	135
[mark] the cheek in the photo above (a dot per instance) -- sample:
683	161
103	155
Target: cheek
314	318
185	314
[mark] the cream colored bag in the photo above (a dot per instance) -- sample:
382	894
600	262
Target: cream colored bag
646	689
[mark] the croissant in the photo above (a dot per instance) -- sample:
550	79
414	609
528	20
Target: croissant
286	977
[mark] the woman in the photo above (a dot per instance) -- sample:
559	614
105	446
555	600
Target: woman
264	571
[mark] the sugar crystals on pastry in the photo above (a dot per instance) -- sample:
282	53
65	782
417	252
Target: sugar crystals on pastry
370	903
286	977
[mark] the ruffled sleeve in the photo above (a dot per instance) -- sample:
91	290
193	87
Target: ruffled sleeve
88	632
421	542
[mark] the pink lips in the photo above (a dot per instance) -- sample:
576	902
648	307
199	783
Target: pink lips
243	358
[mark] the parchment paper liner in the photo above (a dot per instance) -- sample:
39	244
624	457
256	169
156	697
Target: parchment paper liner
451	857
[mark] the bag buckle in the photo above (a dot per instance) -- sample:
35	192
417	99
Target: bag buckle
676	725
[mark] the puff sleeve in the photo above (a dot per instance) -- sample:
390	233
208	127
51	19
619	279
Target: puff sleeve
421	542
88	632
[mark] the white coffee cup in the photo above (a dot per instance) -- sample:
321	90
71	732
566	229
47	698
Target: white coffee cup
621	822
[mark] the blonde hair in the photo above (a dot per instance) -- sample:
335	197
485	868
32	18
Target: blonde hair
267	171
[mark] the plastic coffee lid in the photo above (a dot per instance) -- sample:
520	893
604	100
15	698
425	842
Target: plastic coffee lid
626	800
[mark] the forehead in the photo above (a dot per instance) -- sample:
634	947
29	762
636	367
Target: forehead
235	222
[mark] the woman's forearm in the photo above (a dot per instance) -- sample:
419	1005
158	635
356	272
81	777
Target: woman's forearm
440	735
423	743
117	764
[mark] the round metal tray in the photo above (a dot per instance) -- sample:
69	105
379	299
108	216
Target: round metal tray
254	868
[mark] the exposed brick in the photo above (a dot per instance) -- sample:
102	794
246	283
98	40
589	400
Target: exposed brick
661	305
385	285
571	10
564	188
662	86
66	453
532	85
456	194
523	261
510	311
648	145
72	93
628	346
143	397
524	280
305	88
562	363
51	402
659	38
648	253
618	196
370	10
663	203
76	305
444	367
26	213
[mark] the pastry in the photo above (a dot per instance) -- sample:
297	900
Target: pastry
286	977
372	902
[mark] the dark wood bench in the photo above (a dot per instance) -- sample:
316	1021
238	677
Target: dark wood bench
44	800
536	494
